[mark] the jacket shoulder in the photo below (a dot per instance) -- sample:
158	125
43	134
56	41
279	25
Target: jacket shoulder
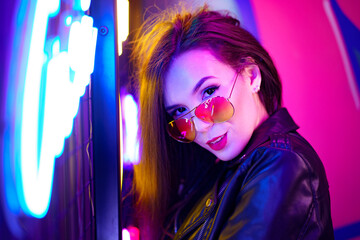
282	182
300	147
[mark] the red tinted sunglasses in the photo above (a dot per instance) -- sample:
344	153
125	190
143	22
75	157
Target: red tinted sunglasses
213	110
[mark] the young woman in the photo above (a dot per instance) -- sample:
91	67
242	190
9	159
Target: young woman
220	157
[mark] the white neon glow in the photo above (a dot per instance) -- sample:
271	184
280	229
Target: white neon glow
82	42
29	133
130	114
61	103
122	22
343	52
52	6
85	4
68	20
125	234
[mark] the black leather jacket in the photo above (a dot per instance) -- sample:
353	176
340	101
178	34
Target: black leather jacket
276	190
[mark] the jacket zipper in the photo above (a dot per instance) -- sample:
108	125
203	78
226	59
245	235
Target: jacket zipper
200	236
202	229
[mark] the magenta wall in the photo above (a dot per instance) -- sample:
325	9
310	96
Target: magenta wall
317	91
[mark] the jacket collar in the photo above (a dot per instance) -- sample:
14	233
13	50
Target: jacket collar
279	122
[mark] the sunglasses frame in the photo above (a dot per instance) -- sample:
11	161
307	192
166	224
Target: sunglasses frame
192	122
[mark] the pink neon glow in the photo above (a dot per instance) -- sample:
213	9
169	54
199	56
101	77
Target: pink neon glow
131	233
301	38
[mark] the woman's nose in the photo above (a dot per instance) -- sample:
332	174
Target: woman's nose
200	125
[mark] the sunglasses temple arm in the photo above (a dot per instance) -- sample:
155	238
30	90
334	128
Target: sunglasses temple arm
236	76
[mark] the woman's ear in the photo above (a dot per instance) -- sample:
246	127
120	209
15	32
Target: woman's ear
252	72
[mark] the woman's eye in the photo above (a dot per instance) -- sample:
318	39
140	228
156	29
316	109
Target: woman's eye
209	91
179	111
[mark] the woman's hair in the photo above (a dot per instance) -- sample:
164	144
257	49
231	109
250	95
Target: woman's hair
164	162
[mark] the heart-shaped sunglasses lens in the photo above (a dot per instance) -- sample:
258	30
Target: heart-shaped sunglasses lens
182	130
215	110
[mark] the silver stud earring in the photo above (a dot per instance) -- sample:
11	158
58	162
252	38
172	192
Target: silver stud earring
256	88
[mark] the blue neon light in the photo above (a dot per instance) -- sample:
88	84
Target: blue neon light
60	106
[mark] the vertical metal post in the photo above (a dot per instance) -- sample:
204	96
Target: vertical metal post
105	98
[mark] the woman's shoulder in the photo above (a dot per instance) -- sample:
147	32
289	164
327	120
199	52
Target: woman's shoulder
289	147
292	147
289	156
277	138
283	175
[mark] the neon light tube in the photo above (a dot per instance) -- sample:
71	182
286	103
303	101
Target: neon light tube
122	22
60	105
130	110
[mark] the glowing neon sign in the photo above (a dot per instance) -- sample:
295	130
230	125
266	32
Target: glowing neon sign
62	94
130	114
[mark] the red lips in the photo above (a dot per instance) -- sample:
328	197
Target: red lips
218	143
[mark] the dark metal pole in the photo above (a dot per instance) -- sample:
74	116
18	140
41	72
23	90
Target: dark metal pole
105	97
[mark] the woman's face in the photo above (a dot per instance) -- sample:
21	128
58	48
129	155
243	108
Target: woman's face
197	75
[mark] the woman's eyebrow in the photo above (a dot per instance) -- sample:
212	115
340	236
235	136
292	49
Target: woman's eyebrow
200	82
195	89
